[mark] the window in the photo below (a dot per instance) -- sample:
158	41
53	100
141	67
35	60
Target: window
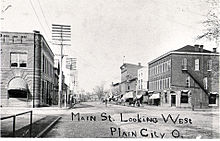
184	64
212	99
169	82
205	83
18	60
197	65
5	38
209	65
169	64
22	38
184	98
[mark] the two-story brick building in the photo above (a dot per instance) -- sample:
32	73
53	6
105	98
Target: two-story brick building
26	70
186	77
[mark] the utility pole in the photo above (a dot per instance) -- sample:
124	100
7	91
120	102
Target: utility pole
62	35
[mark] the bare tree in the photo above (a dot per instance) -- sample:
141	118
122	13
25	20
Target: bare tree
212	23
99	90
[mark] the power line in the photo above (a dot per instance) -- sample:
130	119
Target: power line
43	15
38	17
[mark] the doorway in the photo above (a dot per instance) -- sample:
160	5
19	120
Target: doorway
173	100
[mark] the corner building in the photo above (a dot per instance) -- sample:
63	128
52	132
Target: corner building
26	70
187	77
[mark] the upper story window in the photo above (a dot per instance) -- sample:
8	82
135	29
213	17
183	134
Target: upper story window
197	65
209	65
184	64
205	83
18	60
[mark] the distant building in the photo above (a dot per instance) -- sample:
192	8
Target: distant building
142	90
143	79
115	89
186	77
56	82
129	77
26	70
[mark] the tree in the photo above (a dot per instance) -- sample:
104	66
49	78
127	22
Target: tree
99	90
212	23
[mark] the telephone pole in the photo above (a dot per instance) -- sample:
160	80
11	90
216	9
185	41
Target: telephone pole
61	34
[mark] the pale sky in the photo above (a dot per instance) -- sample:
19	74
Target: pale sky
103	31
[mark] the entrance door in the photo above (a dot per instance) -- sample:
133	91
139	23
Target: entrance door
173	100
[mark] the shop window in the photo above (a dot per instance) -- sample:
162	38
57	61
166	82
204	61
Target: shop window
184	98
18	60
212	99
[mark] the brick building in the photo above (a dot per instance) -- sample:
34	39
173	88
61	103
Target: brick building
186	77
129	80
26	70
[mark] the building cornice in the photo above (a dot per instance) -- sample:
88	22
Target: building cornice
183	53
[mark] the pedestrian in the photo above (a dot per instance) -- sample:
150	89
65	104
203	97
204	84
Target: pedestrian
106	102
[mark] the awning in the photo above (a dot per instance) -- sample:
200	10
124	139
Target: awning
155	96
214	93
17	84
138	96
150	92
127	95
185	91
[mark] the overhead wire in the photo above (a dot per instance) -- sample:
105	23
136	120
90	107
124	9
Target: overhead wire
38	18
44	15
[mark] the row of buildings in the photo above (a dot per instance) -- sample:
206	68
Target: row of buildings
29	71
186	77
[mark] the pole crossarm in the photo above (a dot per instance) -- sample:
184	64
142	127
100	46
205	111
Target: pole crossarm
60	34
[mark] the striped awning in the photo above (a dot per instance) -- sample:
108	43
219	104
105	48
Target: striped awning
17	84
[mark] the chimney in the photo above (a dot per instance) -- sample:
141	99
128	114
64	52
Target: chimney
196	47
214	50
139	64
201	48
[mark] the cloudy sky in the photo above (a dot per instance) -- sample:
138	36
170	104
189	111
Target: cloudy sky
103	31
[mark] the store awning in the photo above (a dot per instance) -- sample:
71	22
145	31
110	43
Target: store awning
127	95
155	96
214	93
138	96
17	84
185	91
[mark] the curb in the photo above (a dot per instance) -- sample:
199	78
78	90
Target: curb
48	128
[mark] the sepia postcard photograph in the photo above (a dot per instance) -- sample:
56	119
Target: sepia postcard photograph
115	69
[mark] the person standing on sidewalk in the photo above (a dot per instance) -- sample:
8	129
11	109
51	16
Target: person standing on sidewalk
106	102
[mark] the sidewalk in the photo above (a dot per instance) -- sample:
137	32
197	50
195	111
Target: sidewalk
153	107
